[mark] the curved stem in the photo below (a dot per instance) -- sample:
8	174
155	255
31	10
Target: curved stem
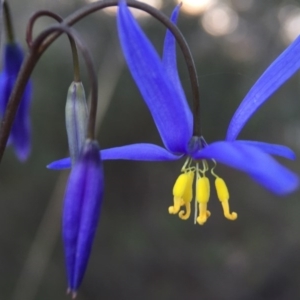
89	64
33	19
96	6
8	23
32	58
29	30
75	59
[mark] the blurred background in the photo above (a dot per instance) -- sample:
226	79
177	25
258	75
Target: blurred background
140	251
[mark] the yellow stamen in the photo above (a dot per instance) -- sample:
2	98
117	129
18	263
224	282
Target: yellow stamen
223	196
188	192
186	215
183	194
202	197
204	214
177	203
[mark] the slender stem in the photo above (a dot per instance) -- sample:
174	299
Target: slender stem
75	59
93	7
8	23
33	57
59	19
33	19
89	64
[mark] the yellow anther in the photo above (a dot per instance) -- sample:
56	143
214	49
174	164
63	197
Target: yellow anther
183	194
223	196
188	192
230	216
180	185
204	214
202	189
202	197
222	190
186	215
177	203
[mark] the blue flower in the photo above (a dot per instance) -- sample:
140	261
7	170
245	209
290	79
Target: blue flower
82	206
161	89
20	132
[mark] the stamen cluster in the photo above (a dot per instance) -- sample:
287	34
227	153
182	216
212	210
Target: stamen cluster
183	193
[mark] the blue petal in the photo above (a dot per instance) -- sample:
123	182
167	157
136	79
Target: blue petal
170	112
259	165
142	152
273	149
61	164
82	205
277	74
169	56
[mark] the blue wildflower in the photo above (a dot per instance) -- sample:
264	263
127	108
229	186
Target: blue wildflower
20	136
82	206
161	89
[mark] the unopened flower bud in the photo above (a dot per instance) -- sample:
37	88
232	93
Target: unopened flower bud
82	206
76	119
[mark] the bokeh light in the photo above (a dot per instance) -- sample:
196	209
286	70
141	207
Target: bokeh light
242	5
196	7
136	12
289	17
220	20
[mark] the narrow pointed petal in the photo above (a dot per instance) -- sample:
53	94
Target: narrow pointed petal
256	163
169	57
276	75
61	164
170	112
82	205
141	152
272	149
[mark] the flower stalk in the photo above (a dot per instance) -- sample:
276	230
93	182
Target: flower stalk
40	45
8	23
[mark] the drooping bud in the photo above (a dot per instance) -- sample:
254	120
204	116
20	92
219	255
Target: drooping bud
20	136
82	206
76	119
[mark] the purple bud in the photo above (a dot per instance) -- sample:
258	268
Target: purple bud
20	133
82	205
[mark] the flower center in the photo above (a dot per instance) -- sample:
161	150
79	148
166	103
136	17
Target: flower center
183	192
